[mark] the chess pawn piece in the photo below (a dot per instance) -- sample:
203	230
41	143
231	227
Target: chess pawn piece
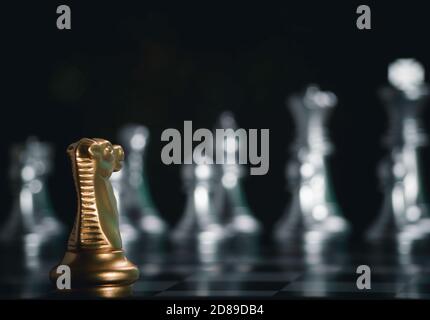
201	221
238	217
94	253
404	211
129	232
32	219
313	211
138	214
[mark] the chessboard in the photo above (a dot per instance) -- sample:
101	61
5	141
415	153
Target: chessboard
265	274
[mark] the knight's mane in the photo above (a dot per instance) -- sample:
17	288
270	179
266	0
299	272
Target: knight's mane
87	232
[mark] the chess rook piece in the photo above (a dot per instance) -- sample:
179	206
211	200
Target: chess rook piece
313	209
32	218
138	214
238	217
404	210
201	221
94	251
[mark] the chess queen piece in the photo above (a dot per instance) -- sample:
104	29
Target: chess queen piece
138	213
200	223
32	219
237	215
313	211
405	212
94	253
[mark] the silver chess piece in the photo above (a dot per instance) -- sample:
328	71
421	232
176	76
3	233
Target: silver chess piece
32	219
313	211
405	212
137	211
200	223
237	215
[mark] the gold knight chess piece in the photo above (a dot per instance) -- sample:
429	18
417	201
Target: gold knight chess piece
94	252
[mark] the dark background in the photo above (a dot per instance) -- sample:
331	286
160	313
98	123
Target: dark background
162	64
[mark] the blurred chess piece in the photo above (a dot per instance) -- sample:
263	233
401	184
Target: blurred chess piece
32	219
94	255
200	224
138	214
313	211
404	211
238	217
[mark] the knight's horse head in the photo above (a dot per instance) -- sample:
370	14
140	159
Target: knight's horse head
107	157
94	161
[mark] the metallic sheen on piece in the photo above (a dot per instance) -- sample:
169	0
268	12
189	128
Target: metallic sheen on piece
201	219
138	212
236	213
405	213
32	219
313	212
94	252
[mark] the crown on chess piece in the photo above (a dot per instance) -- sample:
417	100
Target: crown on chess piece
405	213
313	210
94	253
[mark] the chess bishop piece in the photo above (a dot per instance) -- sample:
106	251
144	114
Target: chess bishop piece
94	252
138	213
313	211
238	217
32	219
405	213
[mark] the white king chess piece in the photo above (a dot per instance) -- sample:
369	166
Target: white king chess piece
405	213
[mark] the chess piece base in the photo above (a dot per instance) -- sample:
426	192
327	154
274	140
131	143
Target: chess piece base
387	227
152	224
393	233
108	272
243	223
295	226
189	233
106	292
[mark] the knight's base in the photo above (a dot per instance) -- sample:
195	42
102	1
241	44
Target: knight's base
105	292
94	270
